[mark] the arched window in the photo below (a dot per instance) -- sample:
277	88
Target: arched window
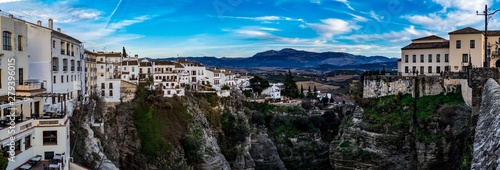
7	44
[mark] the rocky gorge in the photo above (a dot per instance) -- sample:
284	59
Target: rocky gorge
203	131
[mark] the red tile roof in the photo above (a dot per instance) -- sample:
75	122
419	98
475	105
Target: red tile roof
431	45
430	37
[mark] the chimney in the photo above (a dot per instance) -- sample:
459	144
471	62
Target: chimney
39	23
136	56
11	16
51	24
58	29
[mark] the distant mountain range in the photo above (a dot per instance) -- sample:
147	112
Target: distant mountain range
291	58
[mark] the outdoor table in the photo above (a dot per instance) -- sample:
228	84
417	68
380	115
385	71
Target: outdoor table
26	166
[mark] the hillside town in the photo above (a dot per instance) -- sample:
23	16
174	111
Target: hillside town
46	74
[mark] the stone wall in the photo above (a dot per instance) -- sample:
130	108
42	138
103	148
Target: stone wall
479	78
487	137
378	86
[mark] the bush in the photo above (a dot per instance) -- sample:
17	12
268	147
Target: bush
191	146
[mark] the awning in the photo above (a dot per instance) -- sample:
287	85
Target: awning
17	103
19	136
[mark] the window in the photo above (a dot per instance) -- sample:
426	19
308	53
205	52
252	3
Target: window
7	44
429	69
446	58
102	93
50	137
472	43
465	58
414	58
62	79
55	64
20	42
430	58
0	78
438	69
110	85
421	58
438	58
18	147
21	76
422	70
55	80
406	58
103	86
65	64
414	69
133	70
27	142
53	43
110	92
67	78
447	68
459	44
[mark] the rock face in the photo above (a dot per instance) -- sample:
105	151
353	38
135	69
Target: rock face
487	138
210	152
93	146
441	147
263	151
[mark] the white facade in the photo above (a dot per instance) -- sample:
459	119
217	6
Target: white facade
40	123
109	76
274	91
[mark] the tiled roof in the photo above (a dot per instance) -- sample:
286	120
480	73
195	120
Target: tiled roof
178	65
129	62
493	32
163	63
466	30
430	37
189	62
145	64
430	45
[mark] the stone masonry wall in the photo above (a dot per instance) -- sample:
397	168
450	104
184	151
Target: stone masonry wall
487	137
378	86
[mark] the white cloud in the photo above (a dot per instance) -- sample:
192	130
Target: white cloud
466	5
346	3
455	14
375	16
329	27
358	18
7	1
265	18
400	36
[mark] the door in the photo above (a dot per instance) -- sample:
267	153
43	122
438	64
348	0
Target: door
497	64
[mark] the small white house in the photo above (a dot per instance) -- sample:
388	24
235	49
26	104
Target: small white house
273	92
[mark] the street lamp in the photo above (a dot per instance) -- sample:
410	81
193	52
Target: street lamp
487	15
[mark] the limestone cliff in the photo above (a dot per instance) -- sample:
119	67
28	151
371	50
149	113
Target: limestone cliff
487	138
390	134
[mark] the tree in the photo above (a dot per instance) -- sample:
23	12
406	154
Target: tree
291	90
315	92
4	162
258	84
301	91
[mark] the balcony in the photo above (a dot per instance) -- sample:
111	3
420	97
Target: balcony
29	87
55	68
65	68
72	68
133	78
63	51
72	53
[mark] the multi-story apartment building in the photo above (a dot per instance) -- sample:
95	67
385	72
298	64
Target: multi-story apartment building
130	69
192	74
109	76
145	73
166	74
90	74
432	54
36	103
428	55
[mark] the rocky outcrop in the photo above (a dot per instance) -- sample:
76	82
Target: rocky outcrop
94	147
264	152
437	144
210	152
487	138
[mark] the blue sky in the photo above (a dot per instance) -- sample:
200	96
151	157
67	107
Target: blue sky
241	28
